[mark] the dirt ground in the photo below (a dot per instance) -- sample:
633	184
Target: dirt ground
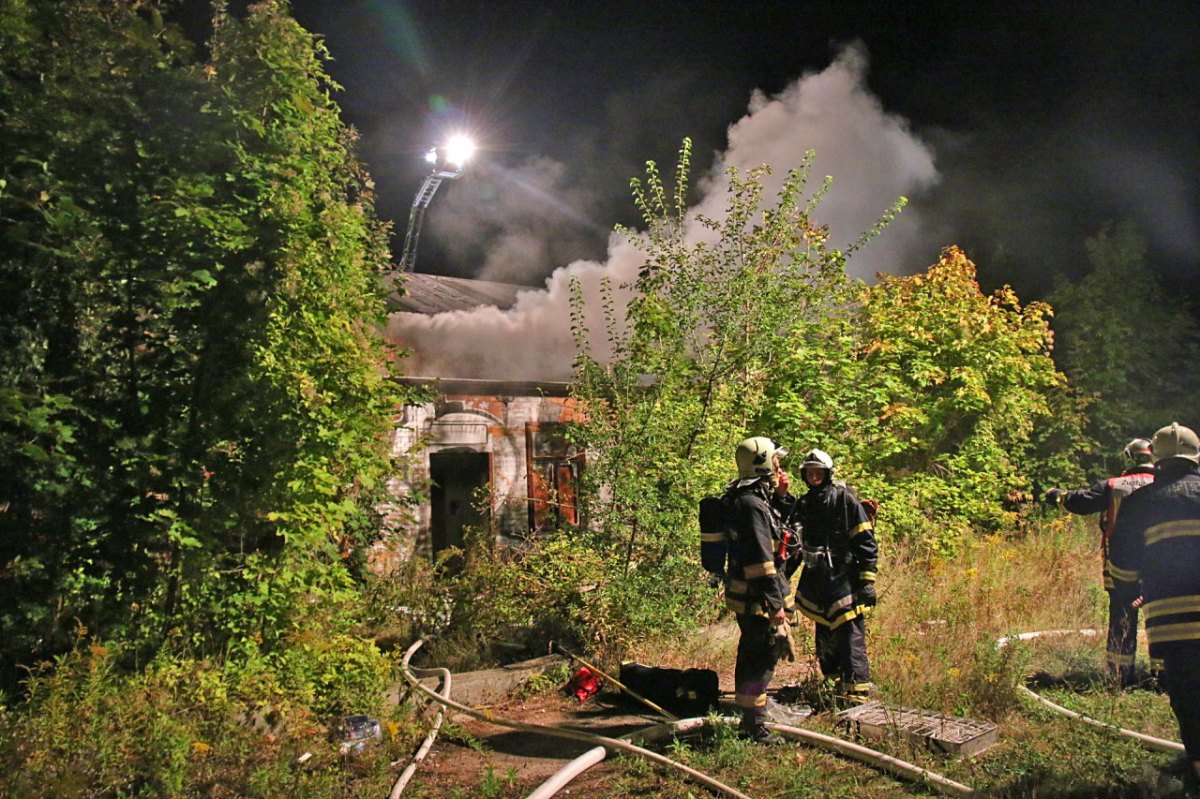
525	759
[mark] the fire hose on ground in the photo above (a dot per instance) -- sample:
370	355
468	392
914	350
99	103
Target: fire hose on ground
574	735
625	744
427	744
1158	744
892	765
561	778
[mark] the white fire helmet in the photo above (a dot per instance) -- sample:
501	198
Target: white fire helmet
756	457
1176	441
819	458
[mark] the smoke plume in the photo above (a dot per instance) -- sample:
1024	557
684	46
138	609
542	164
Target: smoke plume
873	157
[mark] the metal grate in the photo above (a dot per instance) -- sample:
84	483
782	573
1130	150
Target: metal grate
950	734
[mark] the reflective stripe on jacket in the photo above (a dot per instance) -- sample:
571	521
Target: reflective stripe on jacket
1157	540
831	516
755	582
1105	497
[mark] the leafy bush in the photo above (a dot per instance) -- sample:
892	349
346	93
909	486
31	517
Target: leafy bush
933	398
183	727
188	340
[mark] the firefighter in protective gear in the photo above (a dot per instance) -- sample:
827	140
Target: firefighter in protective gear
756	587
1105	497
1157	540
837	563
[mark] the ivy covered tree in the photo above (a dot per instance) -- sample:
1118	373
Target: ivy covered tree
194	400
1130	348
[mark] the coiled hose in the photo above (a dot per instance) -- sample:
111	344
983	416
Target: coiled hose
427	744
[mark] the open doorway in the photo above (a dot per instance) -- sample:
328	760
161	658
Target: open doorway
455	476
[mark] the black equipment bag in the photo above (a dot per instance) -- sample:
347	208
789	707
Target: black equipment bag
684	692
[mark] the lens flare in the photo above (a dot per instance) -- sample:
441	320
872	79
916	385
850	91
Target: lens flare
459	150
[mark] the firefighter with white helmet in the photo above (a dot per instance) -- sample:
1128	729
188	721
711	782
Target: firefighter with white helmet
756	586
837	578
1105	497
1156	541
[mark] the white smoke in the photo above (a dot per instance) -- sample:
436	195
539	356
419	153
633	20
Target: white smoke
529	217
873	156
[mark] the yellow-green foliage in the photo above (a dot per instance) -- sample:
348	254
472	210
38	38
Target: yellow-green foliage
932	636
932	396
181	726
957	382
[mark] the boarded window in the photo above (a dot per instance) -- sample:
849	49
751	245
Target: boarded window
553	465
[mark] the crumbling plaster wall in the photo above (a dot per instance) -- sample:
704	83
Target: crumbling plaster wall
491	423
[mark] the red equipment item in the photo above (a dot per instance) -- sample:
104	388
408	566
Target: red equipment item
584	684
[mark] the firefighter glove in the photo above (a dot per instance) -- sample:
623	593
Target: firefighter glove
1053	495
866	594
782	645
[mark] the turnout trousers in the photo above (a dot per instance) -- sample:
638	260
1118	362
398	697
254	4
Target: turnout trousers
842	654
754	668
1181	677
1122	633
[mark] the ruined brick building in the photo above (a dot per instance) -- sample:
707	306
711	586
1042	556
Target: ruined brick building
482	450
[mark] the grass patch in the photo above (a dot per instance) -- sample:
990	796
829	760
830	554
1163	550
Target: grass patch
932	643
187	728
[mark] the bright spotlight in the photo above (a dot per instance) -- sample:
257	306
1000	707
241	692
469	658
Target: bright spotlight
459	150
447	163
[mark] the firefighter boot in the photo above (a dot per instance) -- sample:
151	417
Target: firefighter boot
754	727
851	694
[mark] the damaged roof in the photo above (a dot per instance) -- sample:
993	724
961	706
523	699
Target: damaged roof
431	294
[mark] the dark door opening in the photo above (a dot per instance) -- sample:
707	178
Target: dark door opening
455	476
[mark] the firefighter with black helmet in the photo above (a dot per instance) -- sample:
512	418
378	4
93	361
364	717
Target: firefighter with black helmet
1156	541
1105	497
756	587
837	574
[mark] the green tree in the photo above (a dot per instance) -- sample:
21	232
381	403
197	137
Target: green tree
716	305
954	390
194	400
1126	345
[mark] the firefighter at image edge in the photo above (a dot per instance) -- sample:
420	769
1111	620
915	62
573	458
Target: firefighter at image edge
1156	541
1105	497
749	549
837	565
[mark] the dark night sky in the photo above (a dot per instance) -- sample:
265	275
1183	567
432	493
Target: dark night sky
1044	118
1015	129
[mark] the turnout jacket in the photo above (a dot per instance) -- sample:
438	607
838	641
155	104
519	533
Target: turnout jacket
832	519
1105	497
1157	540
755	582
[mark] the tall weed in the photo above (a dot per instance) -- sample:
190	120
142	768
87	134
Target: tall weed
932	638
